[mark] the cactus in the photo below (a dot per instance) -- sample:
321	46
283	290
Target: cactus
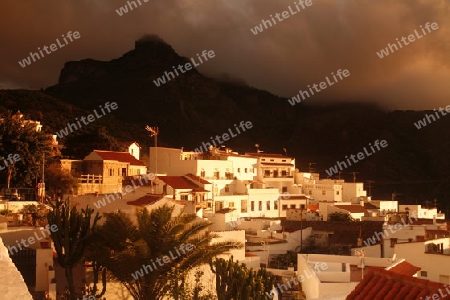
73	234
236	281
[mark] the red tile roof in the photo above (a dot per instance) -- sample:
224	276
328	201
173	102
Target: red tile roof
313	207
387	285
119	156
404	268
152	199
197	178
179	182
146	200
352	208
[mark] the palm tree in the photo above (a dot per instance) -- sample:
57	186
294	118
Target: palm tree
144	256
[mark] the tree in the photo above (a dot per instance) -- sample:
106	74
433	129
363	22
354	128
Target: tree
38	213
73	234
236	281
340	216
159	236
58	181
18	137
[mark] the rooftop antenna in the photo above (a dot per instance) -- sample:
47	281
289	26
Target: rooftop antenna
257	148
154	131
370	186
354	175
285	151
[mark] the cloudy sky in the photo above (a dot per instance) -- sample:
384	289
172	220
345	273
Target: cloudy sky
301	50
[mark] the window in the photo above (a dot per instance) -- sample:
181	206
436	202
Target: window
324	193
424	273
111	172
252	206
337	193
231	204
202	173
239	170
283	173
284	189
260	206
302	206
267	173
393	242
268	205
310	192
243	206
216	175
184	197
245	170
263	159
272	160
275	205
284	207
292	205
283	160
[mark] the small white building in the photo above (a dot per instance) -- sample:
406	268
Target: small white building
432	256
422	213
334	276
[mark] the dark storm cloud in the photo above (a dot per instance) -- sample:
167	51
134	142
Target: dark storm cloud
301	50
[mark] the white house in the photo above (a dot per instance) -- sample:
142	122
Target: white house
422	213
431	256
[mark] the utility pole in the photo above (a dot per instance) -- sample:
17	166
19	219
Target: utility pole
370	186
154	131
354	175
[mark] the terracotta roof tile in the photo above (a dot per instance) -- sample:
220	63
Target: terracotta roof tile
146	200
404	268
179	182
119	156
313	207
386	285
197	178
